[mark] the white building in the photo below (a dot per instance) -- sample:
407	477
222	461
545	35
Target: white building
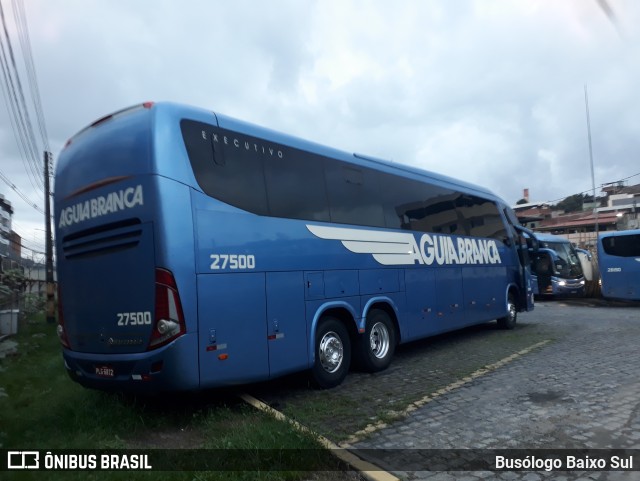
6	211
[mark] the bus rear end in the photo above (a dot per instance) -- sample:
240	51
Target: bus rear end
619	264
121	318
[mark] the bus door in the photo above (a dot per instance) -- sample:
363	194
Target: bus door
525	242
543	269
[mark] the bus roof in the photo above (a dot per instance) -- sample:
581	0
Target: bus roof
551	237
170	111
617	233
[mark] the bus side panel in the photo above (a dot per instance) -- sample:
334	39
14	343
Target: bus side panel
450	298
632	279
232	329
421	310
378	281
484	293
286	326
621	284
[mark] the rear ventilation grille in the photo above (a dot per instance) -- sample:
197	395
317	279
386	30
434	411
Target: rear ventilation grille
102	240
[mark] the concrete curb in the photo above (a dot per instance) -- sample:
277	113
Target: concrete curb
367	469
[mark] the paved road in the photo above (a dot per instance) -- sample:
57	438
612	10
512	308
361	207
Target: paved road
579	391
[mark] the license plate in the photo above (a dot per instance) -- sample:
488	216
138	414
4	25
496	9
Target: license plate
104	371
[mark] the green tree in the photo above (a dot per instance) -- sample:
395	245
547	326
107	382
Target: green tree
12	280
573	203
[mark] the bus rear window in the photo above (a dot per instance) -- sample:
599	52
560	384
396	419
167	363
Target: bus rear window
622	246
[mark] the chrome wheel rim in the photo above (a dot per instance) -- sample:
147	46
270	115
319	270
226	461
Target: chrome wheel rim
379	340
512	311
331	352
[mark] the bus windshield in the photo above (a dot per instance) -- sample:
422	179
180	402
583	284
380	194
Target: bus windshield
567	264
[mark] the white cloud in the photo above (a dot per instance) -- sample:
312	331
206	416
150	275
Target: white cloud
491	92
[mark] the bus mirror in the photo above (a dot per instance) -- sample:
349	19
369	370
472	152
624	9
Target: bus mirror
530	237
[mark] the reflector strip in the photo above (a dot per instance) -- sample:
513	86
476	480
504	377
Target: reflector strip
216	347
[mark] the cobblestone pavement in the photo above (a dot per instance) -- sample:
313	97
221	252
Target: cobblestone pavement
580	391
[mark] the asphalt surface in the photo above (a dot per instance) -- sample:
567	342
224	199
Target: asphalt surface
578	391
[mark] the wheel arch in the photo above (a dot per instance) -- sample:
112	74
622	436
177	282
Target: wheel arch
384	304
342	311
514	290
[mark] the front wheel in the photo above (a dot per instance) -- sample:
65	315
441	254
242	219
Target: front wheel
332	353
509	321
376	346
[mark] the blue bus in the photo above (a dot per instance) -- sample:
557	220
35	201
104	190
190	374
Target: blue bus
556	268
619	264
197	251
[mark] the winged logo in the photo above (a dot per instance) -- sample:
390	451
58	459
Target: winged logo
387	248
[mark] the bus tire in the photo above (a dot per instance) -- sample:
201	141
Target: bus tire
332	353
375	348
509	321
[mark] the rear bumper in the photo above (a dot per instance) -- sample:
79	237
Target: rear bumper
173	367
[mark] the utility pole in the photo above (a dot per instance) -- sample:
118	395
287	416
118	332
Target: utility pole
49	241
593	178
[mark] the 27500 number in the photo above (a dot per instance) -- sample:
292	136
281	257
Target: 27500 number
232	261
134	318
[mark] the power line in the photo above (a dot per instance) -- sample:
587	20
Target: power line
5	179
15	96
29	244
25	43
15	117
589	190
35	251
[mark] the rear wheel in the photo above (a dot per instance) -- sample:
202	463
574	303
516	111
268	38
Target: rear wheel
333	353
376	347
509	321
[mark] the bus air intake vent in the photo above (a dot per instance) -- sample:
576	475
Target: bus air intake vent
102	240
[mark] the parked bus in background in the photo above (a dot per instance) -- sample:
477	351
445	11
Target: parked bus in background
586	263
556	269
197	251
619	264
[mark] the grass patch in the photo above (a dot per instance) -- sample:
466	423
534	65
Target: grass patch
41	408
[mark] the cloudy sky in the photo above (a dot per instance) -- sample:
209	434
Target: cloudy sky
489	91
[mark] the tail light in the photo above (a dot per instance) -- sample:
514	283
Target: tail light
62	335
169	320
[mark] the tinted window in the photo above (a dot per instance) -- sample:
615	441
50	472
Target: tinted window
271	179
482	218
354	194
295	186
227	166
622	246
412	205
